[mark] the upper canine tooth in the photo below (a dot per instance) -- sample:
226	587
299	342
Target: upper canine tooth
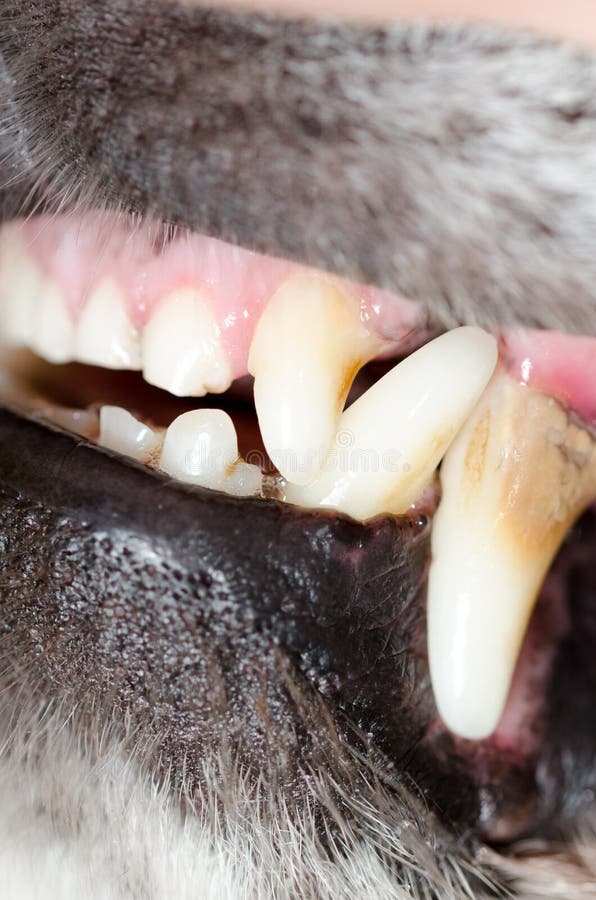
201	447
513	482
120	431
182	348
307	347
105	336
391	440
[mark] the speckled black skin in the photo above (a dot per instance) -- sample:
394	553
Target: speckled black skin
202	614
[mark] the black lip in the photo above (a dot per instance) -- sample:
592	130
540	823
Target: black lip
120	571
203	618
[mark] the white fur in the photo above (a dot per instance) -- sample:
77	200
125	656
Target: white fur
82	821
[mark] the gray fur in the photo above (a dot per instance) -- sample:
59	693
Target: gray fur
457	166
86	821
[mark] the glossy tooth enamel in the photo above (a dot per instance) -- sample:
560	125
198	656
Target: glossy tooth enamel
105	335
514	481
201	447
390	441
120	431
182	348
306	350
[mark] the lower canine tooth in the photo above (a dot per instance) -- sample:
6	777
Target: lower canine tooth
182	348
105	335
306	350
514	481
392	438
201	447
120	431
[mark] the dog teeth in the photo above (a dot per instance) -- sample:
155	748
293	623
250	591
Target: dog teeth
33	312
182	348
244	480
105	335
20	289
120	431
201	447
53	332
305	352
513	482
391	440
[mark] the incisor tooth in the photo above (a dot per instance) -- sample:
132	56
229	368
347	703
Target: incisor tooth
21	286
53	331
244	480
391	440
182	348
120	431
306	350
201	447
105	336
513	482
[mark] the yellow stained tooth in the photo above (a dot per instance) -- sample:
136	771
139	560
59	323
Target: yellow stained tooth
390	441
513	483
307	348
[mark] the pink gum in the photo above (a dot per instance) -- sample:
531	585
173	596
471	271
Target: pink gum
560	365
78	252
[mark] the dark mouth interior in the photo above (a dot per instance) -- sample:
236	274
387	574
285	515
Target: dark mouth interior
77	386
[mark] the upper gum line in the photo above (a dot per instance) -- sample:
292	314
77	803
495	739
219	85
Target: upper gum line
77	259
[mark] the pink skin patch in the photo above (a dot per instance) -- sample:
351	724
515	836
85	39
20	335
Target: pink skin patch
79	251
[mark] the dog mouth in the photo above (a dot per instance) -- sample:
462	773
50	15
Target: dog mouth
246	503
444	479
